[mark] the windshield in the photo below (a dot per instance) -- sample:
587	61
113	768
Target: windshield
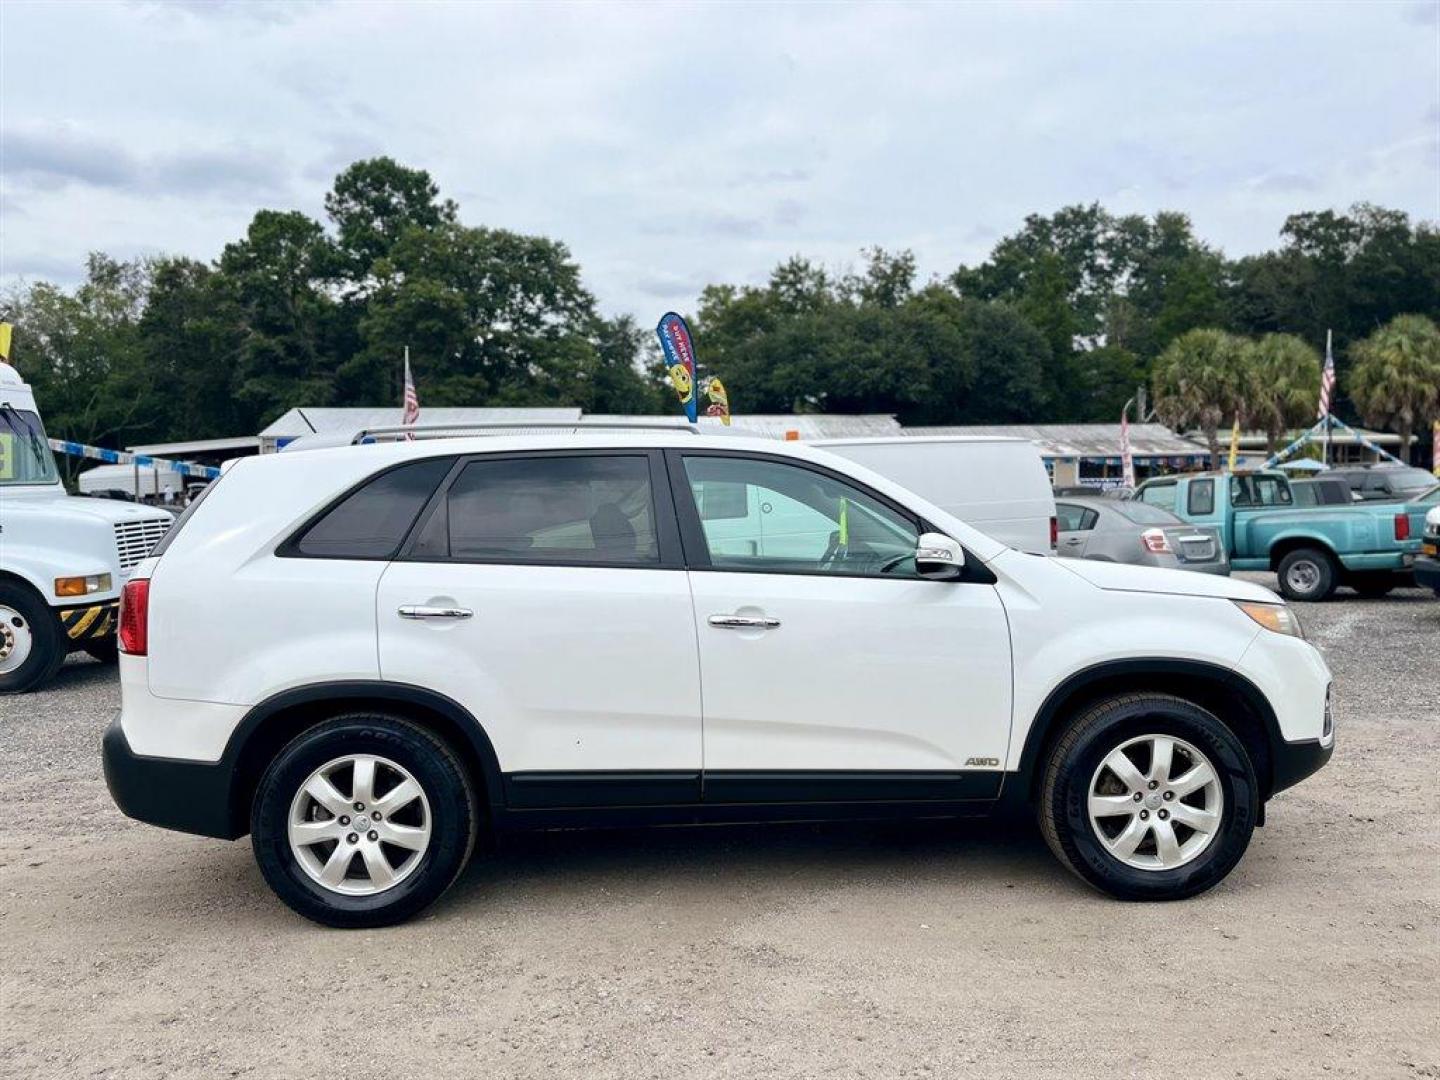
25	456
1145	514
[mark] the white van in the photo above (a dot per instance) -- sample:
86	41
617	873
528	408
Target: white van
994	483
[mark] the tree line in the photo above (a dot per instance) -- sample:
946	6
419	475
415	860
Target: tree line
1061	322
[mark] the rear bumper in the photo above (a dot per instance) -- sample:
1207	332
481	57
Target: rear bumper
1387	560
1427	572
187	796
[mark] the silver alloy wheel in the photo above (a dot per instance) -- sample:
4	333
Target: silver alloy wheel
16	639
368	840
1303	576
1156	802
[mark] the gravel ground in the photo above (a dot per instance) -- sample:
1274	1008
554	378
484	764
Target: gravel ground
837	951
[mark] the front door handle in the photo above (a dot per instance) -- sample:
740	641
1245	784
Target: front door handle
743	622
426	611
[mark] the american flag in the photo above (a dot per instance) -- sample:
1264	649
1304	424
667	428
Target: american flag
1327	381
411	411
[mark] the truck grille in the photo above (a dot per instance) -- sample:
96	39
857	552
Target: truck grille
134	539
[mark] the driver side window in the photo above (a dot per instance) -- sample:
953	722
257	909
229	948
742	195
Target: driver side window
771	516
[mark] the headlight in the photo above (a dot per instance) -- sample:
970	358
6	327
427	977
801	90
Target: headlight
82	586
1275	617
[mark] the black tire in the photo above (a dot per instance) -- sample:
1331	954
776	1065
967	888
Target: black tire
1372	586
447	789
1073	763
31	615
106	650
1307	574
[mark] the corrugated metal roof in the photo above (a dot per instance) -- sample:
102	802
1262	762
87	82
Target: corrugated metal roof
321	421
1082	440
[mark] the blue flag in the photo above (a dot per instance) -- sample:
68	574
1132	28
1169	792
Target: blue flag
679	359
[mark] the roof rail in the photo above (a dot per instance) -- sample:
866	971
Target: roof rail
500	427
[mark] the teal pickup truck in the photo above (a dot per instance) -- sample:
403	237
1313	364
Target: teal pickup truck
1370	547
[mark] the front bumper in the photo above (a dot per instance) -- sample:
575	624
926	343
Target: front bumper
188	796
1291	762
89	622
1427	572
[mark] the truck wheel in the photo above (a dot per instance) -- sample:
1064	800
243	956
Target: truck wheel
1372	586
32	645
1307	574
1148	797
363	821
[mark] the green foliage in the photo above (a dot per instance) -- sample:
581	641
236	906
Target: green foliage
1062	321
1204	377
1286	380
1396	377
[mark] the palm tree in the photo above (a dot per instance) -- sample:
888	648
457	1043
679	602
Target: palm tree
1395	378
1201	378
1287	385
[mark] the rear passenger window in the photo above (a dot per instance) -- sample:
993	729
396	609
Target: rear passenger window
1201	499
565	510
371	521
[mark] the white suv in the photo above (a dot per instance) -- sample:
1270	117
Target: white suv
368	657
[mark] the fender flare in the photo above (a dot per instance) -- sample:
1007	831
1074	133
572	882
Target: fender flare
245	755
1142	672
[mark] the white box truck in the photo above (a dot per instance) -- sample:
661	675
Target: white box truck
63	558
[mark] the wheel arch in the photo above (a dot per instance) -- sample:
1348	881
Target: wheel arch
1286	544
1234	699
268	726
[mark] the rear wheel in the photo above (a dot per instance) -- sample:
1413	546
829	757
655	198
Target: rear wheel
1307	574
32	645
363	821
1149	797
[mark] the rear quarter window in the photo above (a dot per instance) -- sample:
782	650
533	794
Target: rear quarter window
371	521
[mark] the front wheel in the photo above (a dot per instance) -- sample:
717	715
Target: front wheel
363	821
1307	574
32	644
1149	797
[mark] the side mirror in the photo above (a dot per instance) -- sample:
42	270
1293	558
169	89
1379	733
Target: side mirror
938	558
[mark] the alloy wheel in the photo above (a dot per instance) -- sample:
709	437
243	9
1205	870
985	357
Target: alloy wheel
359	825
1156	803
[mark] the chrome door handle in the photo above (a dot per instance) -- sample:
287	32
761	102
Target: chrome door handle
743	622
425	611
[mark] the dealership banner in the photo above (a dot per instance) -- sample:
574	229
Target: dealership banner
679	360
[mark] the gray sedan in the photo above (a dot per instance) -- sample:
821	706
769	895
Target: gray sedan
1136	533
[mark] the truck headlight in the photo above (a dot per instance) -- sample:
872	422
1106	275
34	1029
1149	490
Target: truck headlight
82	586
1275	617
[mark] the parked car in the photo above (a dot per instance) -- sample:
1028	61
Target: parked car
1427	563
1322	492
424	641
1370	547
995	484
63	558
1384	483
1136	533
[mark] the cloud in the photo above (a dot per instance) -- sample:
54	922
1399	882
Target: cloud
50	158
1283	182
272	12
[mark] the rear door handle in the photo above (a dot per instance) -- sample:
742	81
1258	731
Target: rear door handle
426	611
743	622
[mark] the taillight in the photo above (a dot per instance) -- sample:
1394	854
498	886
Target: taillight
1402	527
1155	541
1054	532
135	617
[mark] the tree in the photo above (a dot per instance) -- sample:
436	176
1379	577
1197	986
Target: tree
1203	378
372	204
1287	385
1395	379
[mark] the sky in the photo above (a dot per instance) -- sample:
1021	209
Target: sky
675	145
